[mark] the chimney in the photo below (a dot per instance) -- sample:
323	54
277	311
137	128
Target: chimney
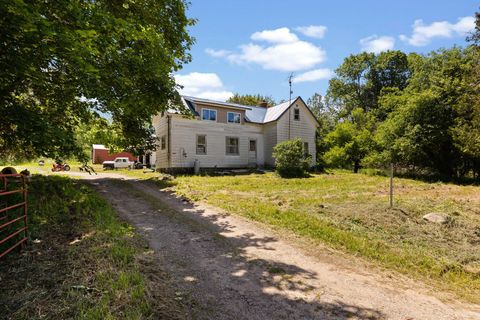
263	104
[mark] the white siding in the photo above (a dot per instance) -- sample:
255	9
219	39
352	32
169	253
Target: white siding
185	130
161	129
304	128
270	137
183	148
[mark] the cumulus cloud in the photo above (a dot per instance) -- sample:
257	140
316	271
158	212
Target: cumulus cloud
203	85
317	32
217	53
283	51
377	44
423	33
313	75
280	35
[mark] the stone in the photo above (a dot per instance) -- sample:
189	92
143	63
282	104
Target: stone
436	217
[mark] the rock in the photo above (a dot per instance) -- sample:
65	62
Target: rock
436	217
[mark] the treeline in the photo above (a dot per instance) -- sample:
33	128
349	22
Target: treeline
419	112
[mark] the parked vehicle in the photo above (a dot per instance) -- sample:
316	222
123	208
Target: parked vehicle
118	163
58	166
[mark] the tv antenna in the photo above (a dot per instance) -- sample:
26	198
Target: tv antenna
290	78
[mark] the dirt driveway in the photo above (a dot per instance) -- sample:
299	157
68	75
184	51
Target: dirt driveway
226	267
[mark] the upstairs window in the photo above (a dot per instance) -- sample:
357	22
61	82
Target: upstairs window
209	115
233	117
296	114
232	146
201	144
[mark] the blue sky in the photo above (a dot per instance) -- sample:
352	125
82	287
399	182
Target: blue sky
251	47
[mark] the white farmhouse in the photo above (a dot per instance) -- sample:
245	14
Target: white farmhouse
226	135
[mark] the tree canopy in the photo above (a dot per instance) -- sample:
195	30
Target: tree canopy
250	99
67	63
420	112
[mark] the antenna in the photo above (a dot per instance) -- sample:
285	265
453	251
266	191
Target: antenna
290	78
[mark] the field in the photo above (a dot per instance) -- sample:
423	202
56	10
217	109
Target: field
351	212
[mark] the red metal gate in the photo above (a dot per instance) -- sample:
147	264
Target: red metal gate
13	213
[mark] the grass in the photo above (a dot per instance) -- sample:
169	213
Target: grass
81	262
350	212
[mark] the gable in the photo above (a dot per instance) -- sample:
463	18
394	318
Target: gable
305	112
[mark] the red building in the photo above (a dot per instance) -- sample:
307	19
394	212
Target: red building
100	154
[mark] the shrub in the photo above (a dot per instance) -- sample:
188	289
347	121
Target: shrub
290	159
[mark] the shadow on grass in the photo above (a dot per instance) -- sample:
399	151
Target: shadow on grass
210	260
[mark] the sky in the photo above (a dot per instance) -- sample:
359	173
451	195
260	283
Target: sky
251	47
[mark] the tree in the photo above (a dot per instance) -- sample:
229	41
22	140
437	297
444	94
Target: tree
290	159
250	99
326	116
64	62
418	130
360	79
350	142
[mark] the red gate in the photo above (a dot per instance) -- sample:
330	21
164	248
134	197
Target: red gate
13	216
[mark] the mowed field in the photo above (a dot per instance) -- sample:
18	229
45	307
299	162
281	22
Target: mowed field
351	212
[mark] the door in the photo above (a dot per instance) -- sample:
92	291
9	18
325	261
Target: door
252	152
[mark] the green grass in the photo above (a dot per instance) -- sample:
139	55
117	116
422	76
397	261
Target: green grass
350	212
84	262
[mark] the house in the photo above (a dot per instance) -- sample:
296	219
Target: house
100	153
228	135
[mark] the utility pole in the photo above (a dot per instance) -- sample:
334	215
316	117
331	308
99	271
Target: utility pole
289	102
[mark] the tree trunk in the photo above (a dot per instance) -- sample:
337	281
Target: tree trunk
356	166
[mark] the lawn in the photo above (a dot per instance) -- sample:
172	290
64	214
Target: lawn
351	212
81	262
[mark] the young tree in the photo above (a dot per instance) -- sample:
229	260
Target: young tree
63	61
290	159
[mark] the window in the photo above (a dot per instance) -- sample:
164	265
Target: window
232	146
209	114
305	149
233	117
253	145
163	142
296	114
201	144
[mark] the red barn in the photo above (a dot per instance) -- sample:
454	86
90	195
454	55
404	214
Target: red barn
100	154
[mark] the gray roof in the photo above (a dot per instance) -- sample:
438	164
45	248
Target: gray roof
253	114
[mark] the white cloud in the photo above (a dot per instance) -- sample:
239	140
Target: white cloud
217	53
317	32
313	75
280	35
293	56
377	44
203	85
285	51
422	33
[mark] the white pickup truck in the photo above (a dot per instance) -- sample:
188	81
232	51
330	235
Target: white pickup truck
118	163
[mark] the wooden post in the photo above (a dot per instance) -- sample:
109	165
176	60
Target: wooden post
391	185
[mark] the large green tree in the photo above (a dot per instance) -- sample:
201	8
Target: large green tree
64	63
418	129
360	79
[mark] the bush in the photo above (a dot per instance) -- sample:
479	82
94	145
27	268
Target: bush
290	159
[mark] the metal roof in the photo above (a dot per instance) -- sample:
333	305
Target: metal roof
253	114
